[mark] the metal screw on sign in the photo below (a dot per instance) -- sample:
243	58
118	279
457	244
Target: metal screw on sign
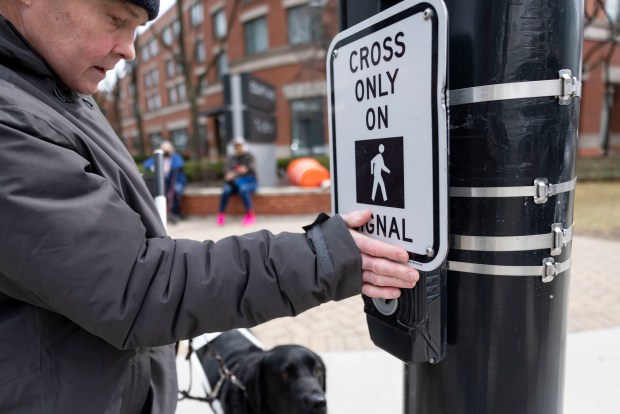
428	13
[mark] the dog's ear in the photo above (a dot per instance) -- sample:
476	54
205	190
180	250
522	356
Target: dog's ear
253	385
324	376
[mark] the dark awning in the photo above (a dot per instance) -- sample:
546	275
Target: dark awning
214	111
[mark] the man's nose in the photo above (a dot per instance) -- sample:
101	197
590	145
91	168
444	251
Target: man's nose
125	46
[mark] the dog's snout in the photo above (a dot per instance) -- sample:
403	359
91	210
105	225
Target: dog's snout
315	401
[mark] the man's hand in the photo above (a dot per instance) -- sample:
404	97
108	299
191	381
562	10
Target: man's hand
382	275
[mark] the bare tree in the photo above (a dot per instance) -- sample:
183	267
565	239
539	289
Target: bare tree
115	108
185	59
134	89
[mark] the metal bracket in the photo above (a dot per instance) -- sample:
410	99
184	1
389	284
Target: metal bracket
570	87
559	238
542	190
549	269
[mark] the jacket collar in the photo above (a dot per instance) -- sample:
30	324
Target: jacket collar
17	55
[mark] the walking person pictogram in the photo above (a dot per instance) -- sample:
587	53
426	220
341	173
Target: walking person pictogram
377	166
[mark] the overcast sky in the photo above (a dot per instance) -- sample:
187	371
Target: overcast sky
164	5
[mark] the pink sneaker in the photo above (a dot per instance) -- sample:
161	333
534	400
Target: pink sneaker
248	220
221	219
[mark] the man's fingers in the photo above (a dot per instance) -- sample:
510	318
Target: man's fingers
373	291
378	248
381	267
384	271
383	281
356	218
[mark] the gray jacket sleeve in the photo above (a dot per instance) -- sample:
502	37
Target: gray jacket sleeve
70	243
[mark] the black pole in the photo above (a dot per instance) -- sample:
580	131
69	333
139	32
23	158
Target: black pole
160	189
506	323
160	186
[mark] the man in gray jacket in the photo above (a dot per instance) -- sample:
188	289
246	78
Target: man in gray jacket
92	291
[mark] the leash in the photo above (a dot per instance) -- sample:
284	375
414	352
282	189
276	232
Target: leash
225	375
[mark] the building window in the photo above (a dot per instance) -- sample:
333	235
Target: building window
307	126
219	24
304	24
181	92
612	8
145	54
180	138
196	14
153	47
203	82
170	68
256	38
153	102
166	36
173	68
199	50
172	95
176	93
151	78
222	65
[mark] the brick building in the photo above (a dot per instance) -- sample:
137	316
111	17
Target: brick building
599	124
283	43
279	42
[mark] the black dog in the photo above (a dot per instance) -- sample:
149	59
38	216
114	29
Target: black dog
288	379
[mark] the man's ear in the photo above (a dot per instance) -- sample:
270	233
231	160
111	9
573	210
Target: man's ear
26	3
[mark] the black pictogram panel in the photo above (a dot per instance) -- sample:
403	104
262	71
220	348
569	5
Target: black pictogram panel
379	170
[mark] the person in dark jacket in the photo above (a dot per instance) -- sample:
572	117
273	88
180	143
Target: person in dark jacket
175	179
239	177
92	291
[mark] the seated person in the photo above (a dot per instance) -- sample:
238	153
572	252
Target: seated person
239	177
175	179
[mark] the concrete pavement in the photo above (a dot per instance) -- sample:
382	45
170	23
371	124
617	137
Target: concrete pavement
337	331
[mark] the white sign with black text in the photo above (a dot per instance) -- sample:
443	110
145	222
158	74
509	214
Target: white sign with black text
388	127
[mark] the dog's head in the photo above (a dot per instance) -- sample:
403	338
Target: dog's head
290	380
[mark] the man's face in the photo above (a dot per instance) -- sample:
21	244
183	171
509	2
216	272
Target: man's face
82	39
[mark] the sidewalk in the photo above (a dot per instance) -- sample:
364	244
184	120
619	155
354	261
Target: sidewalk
338	332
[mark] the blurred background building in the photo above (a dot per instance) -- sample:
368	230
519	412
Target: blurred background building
599	126
177	87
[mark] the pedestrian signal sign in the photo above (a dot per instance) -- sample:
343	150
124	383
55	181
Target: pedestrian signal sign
379	172
388	127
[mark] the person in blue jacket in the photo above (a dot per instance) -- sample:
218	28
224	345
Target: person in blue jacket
174	178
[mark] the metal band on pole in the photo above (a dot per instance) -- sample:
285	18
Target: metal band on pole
555	241
518	191
496	270
564	88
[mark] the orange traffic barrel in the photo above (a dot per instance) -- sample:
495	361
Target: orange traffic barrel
306	172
